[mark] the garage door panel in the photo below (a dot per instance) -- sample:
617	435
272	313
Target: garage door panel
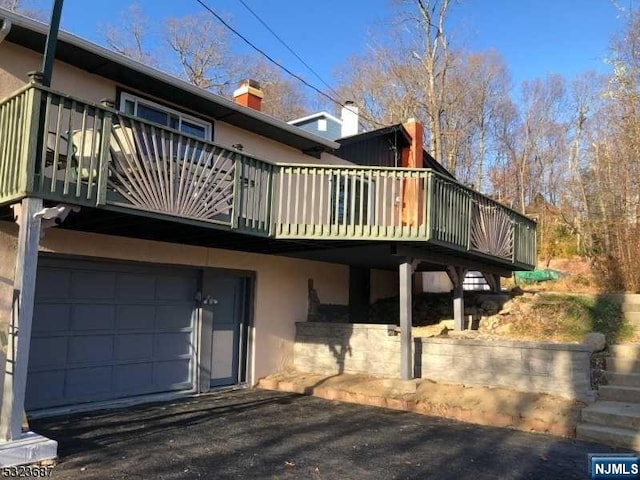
93	317
45	389
88	382
52	283
110	330
88	284
173	345
51	317
136	317
136	377
48	353
175	374
134	347
174	317
136	286
171	287
90	349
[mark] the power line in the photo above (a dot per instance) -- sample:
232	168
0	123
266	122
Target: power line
264	24
276	63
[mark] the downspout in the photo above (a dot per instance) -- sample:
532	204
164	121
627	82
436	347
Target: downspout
5	29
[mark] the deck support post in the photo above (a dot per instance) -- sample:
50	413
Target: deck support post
458	298
406	269
19	335
18	447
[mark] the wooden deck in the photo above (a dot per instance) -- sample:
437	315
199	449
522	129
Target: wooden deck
92	155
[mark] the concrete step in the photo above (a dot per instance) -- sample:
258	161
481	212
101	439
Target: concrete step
631	307
613	414
623	365
614	436
625	350
624	379
616	393
632	317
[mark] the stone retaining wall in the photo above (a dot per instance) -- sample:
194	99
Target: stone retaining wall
557	369
334	348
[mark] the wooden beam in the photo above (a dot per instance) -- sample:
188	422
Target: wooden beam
437	258
406	319
24	286
458	299
493	280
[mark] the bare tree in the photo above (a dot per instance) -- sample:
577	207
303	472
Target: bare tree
22	7
200	46
196	48
283	97
130	36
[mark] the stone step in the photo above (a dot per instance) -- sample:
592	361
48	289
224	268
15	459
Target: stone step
616	393
623	365
614	436
614	414
632	317
625	350
631	307
624	379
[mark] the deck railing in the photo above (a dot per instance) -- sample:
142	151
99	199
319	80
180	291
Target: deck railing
18	114
327	202
92	155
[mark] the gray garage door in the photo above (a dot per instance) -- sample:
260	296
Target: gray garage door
103	331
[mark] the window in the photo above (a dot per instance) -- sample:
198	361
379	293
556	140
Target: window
155	113
322	124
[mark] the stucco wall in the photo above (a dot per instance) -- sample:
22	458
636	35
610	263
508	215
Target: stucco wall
281	283
557	369
16	62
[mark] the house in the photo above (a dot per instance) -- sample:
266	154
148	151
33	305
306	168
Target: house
322	124
158	240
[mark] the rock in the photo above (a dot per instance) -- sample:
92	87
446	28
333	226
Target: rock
595	340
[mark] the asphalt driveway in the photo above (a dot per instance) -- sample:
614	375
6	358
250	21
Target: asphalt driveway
262	434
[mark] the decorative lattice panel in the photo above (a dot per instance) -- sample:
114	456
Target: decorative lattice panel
163	171
491	230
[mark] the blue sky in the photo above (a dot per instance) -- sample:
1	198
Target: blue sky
535	37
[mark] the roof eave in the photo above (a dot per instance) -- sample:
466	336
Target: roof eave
288	134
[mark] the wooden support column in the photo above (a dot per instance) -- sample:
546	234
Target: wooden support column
406	319
24	286
458	299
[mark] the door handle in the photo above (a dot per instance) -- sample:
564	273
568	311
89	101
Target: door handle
209	300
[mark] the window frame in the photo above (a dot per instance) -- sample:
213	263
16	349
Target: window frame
136	99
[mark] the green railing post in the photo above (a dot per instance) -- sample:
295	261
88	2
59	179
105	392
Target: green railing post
429	200
30	137
270	221
236	208
105	155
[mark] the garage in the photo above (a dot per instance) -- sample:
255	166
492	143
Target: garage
106	330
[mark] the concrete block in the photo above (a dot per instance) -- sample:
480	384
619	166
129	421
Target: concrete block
30	448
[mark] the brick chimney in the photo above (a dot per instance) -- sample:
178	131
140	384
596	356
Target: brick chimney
249	94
